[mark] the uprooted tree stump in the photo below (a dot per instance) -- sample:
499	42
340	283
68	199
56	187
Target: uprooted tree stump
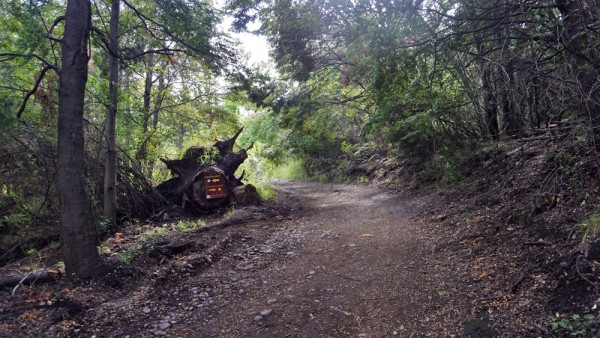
204	179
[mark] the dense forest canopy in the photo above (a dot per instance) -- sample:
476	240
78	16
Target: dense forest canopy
429	77
424	79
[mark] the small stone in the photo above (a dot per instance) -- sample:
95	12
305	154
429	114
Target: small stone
311	272
164	326
271	301
241	291
258	318
160	333
146	310
266	312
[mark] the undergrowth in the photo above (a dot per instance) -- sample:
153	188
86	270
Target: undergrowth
589	227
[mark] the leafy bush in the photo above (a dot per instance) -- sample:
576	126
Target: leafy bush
445	167
290	170
576	325
265	190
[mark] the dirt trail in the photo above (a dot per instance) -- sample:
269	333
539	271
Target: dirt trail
325	260
356	271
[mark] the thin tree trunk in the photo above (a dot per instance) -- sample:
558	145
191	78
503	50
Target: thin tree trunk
142	153
160	95
148	92
490	106
180	136
110	165
78	233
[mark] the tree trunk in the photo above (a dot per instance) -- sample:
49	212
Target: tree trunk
78	233
490	106
148	91
160	96
110	165
180	136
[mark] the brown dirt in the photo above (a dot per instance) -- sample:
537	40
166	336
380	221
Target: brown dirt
327	260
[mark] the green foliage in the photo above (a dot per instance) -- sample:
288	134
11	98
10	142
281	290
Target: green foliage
265	190
188	225
32	252
293	169
127	256
590	227
104	228
165	229
576	325
445	167
8	105
55	245
362	179
322	177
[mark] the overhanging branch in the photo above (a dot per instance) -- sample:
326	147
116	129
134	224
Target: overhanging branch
34	89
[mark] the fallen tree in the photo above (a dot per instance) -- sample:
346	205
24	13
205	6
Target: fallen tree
204	178
38	276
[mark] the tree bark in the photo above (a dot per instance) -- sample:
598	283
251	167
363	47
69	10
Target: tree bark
110	165
78	233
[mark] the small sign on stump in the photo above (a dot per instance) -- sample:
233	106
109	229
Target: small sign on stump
214	185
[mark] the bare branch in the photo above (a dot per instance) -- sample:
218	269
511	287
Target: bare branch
9	56
35	88
56	22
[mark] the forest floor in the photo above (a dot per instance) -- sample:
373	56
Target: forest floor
333	260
